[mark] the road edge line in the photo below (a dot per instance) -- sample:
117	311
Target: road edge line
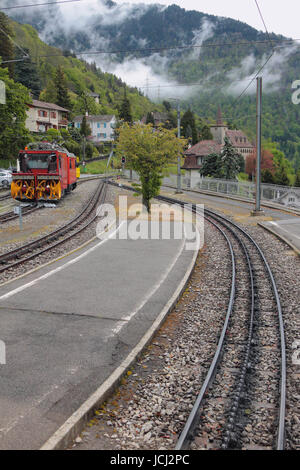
280	237
75	423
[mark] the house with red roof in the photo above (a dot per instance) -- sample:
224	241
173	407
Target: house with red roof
195	155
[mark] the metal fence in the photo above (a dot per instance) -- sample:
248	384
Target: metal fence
284	195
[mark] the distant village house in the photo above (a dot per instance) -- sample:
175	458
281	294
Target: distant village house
195	155
102	127
42	116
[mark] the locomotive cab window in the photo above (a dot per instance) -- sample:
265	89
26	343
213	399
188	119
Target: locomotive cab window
35	160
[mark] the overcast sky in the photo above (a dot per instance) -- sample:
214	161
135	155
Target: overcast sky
281	17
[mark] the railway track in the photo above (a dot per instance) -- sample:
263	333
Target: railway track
8	216
31	250
3	197
253	328
246	402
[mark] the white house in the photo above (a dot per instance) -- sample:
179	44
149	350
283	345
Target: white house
102	126
42	116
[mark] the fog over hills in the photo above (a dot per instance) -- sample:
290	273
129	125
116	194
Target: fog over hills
157	49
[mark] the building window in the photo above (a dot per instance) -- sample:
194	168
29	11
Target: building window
104	125
78	125
98	136
98	125
42	113
53	115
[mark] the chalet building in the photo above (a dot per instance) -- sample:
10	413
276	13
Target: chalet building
194	155
42	116
102	127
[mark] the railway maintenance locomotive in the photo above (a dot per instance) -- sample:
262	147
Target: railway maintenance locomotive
45	171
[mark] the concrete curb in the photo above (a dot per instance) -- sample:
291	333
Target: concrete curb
280	237
235	198
75	424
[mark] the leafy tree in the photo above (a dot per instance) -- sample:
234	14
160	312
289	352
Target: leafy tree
267	162
62	94
148	152
281	175
13	133
267	176
6	44
26	72
49	93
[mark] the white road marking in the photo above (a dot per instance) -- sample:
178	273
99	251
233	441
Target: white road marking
285	230
56	270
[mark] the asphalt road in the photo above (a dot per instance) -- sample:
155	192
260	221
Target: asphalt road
67	326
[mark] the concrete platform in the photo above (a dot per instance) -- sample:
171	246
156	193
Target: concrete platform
288	230
68	326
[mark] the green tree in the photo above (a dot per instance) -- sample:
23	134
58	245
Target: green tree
297	181
85	129
267	176
62	94
281	175
13	133
26	72
125	109
6	44
230	160
150	119
148	152
205	133
189	126
212	166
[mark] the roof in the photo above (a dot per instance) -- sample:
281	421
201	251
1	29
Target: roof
95	118
45	105
204	148
238	139
94	94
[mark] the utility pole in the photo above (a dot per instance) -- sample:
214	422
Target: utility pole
179	156
258	210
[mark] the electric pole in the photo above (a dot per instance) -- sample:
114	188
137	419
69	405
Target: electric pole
258	210
179	156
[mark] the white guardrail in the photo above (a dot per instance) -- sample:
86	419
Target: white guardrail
285	195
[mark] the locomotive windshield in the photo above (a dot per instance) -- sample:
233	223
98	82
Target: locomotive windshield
41	161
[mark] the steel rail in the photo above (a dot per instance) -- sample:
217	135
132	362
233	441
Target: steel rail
47	239
282	407
8	216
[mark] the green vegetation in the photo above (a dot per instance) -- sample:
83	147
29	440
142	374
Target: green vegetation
77	78
148	152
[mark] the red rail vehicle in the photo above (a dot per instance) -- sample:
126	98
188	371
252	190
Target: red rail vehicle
45	171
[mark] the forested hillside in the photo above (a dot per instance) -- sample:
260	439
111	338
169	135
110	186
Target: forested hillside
81	76
155	41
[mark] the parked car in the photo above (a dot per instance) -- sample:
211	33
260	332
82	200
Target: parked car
5	178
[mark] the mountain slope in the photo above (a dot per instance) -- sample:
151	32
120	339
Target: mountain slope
230	55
